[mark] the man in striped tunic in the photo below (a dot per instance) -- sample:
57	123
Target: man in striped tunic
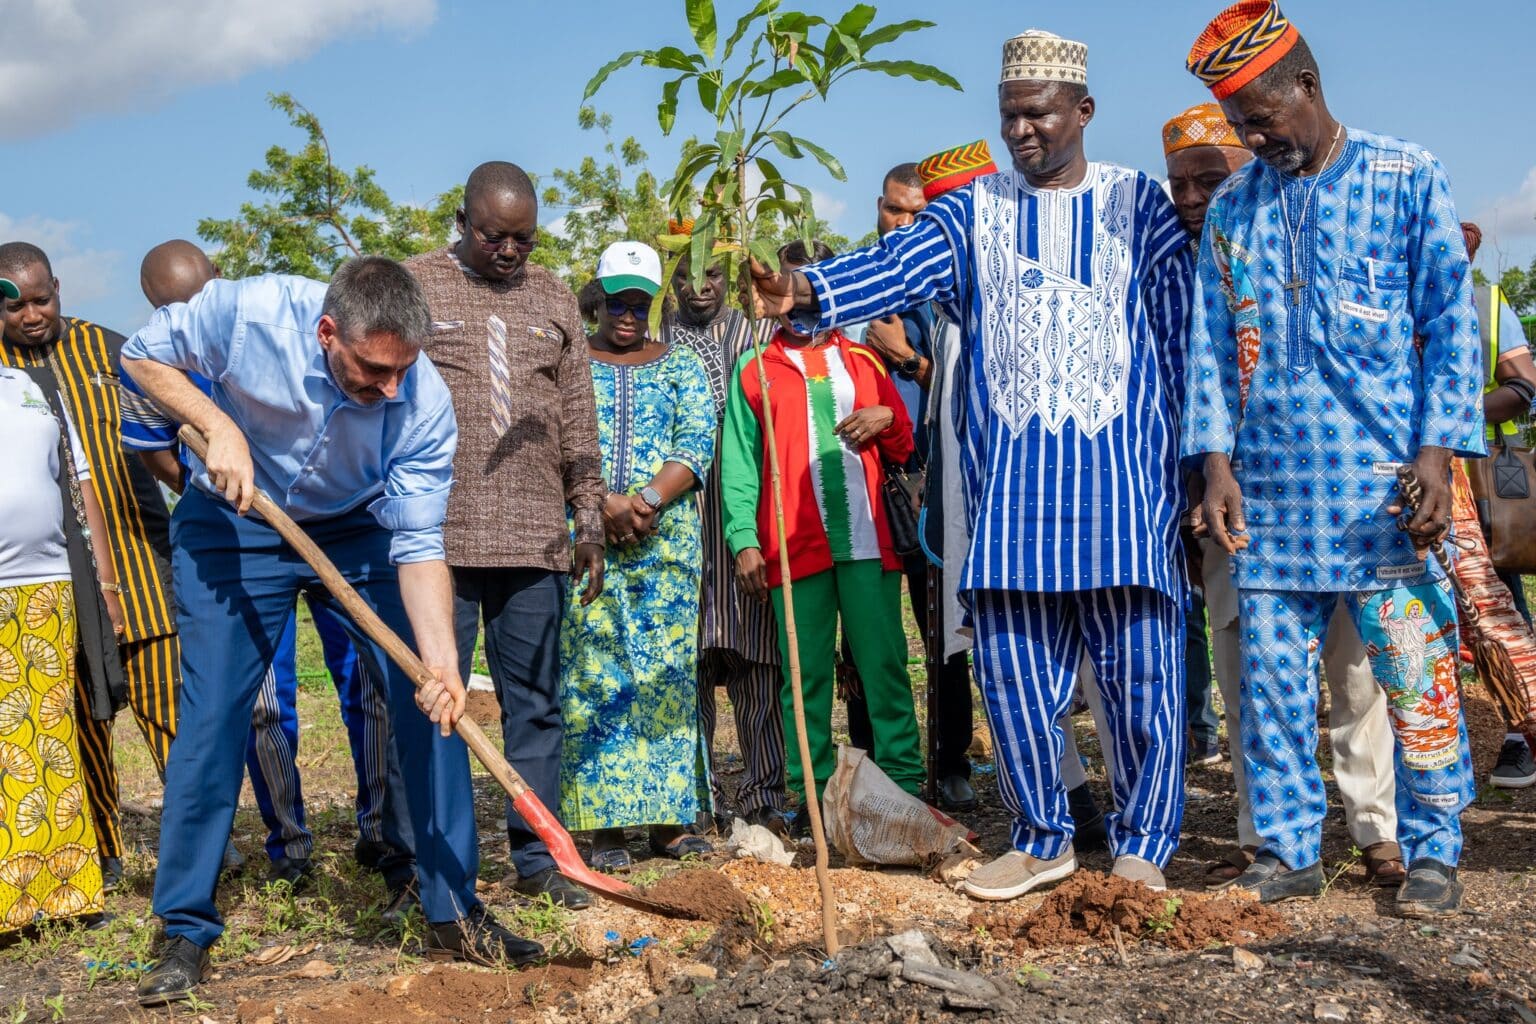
83	357
1071	281
738	638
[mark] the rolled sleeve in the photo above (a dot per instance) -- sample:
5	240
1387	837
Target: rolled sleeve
417	481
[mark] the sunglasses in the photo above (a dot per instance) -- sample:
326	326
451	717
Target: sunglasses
617	307
522	243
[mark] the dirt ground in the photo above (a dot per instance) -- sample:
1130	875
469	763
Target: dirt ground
322	957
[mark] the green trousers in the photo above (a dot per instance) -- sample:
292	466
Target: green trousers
868	600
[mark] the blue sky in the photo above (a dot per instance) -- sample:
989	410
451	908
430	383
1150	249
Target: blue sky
126	123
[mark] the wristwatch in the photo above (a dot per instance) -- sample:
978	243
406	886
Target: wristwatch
651	496
909	367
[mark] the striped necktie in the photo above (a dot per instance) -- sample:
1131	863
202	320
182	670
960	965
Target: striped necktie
501	377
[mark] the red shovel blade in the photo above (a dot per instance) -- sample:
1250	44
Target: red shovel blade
563	849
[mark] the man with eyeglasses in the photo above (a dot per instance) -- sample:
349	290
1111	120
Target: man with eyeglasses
508	340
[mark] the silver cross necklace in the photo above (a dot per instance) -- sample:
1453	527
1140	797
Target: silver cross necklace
1295	286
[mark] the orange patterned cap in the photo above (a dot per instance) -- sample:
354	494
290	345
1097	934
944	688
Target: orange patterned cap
1204	125
952	168
1240	44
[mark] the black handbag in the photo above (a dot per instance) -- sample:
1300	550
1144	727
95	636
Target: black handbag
903	494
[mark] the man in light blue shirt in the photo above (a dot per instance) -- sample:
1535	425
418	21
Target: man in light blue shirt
320	397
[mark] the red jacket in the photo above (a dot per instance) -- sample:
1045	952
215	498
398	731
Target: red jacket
833	505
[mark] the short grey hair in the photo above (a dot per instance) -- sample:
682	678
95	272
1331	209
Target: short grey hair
371	294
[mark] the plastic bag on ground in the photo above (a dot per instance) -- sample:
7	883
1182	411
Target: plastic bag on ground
871	820
755	842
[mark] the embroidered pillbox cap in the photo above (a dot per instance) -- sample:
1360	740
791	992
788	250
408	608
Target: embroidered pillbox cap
8	288
626	265
1204	125
946	171
1240	44
1040	56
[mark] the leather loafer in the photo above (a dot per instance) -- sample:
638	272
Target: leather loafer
772	820
478	938
562	892
1276	883
1432	890
956	794
180	969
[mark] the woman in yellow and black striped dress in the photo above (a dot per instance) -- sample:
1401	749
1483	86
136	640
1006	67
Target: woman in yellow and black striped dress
48	860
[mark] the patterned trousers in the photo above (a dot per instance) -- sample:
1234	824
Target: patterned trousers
271	756
1028	646
153	668
753	689
1410	637
1498	619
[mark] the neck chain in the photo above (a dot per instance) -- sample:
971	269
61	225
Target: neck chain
1295	286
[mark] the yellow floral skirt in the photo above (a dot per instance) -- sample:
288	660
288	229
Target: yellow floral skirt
48	865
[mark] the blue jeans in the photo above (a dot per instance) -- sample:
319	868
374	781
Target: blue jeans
272	751
237	582
522	610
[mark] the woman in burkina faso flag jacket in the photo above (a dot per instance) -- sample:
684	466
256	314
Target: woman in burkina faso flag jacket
837	418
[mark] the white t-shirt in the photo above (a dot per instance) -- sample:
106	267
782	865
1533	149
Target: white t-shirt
31	508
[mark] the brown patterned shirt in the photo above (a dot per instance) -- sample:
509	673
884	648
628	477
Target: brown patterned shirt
510	496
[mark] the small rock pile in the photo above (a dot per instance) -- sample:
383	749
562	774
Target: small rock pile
907	977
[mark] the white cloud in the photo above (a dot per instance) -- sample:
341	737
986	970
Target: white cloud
85	273
65	59
1512	215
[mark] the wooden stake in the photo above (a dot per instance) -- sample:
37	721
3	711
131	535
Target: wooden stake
796	691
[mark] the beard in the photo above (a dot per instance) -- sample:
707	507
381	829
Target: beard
1286	159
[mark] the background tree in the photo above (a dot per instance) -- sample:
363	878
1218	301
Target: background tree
319	214
742	197
601	201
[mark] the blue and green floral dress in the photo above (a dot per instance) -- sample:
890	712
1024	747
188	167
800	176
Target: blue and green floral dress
628	661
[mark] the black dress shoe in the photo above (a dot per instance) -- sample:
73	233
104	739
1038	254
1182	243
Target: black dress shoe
293	870
1432	890
1276	883
111	874
180	969
956	794
370	854
402	900
1089	832
562	892
479	939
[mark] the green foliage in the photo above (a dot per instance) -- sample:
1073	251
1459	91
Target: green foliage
317	214
772	62
602	200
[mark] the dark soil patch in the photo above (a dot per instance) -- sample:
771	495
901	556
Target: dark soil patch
700	894
1090	907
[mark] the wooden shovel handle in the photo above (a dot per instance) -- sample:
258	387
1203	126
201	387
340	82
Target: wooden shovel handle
368	621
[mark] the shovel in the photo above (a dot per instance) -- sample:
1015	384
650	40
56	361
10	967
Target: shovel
561	847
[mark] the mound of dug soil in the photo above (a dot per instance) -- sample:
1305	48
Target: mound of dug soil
701	894
1089	906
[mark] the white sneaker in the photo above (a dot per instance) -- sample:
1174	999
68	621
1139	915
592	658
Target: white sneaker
1139	869
1016	873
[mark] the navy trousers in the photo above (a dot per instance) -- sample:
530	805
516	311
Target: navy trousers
236	583
522	610
271	756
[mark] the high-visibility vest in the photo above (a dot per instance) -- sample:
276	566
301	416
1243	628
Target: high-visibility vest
1490	312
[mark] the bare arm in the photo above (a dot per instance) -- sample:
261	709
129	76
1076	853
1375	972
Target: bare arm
1505	403
426	588
165	467
229	458
106	572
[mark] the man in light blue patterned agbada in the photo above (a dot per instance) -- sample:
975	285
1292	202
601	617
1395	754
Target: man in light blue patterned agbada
1072	281
1334	341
